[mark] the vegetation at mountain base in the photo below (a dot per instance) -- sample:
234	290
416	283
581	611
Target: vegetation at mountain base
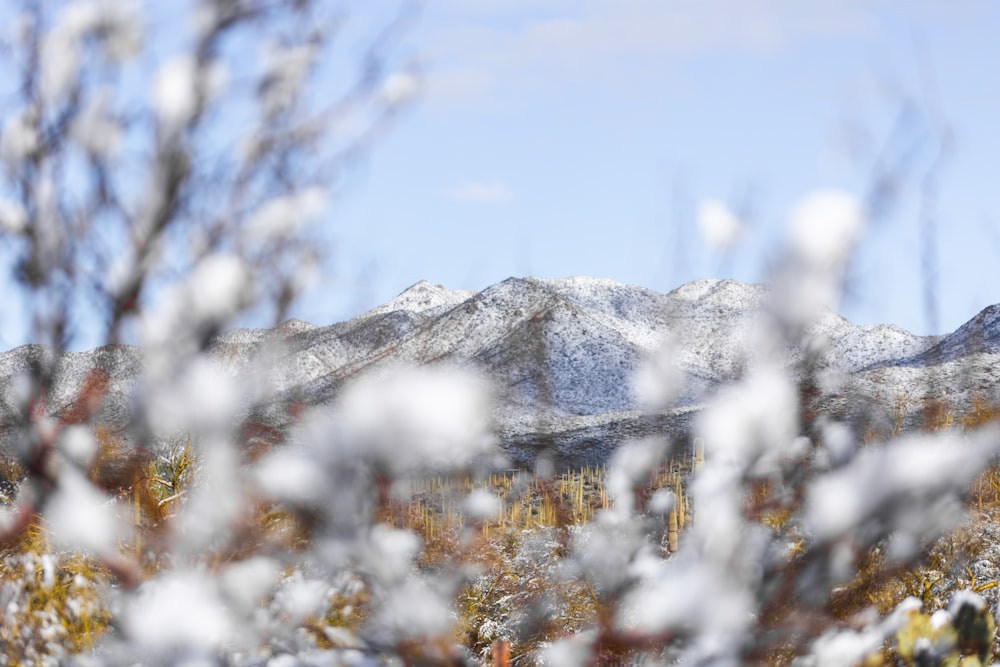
507	535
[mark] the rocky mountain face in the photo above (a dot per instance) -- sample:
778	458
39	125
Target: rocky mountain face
563	355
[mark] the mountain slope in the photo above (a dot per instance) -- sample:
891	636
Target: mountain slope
979	335
561	352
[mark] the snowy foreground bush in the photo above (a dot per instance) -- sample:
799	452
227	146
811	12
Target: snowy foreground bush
377	530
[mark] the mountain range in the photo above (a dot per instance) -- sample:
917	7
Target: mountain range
563	353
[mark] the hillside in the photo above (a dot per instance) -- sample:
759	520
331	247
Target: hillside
562	354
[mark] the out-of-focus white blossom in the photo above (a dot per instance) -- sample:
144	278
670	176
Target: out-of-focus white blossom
182	86
659	380
299	597
206	16
290	475
19	138
80	516
48	230
823	231
285	72
662	501
78	444
175	94
631	467
411	610
285	215
95	130
391	552
825	227
721	536
687	597
13	217
940	618
419	418
754	421
217	288
115	22
202	398
482	505
178	611
568	652
19	390
399	88
843	648
603	551
719	225
119	273
60	56
838	441
965	598
120	23
247	582
905	478
214	505
48	564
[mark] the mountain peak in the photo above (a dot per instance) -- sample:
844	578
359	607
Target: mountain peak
978	335
424	297
294	326
722	292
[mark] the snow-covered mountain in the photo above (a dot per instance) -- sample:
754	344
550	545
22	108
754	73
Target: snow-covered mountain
979	335
562	354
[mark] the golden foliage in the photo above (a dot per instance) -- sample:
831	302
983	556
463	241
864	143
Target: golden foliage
55	601
501	581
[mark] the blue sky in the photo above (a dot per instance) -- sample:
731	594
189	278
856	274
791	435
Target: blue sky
555	138
578	137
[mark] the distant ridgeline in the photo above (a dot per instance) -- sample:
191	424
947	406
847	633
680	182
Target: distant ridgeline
563	355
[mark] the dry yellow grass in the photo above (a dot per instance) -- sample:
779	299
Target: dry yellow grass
432	508
57	605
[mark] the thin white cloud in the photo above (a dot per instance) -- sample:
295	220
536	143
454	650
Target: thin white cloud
600	41
718	224
494	192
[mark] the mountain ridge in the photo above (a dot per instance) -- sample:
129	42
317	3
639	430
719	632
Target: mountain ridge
562	354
